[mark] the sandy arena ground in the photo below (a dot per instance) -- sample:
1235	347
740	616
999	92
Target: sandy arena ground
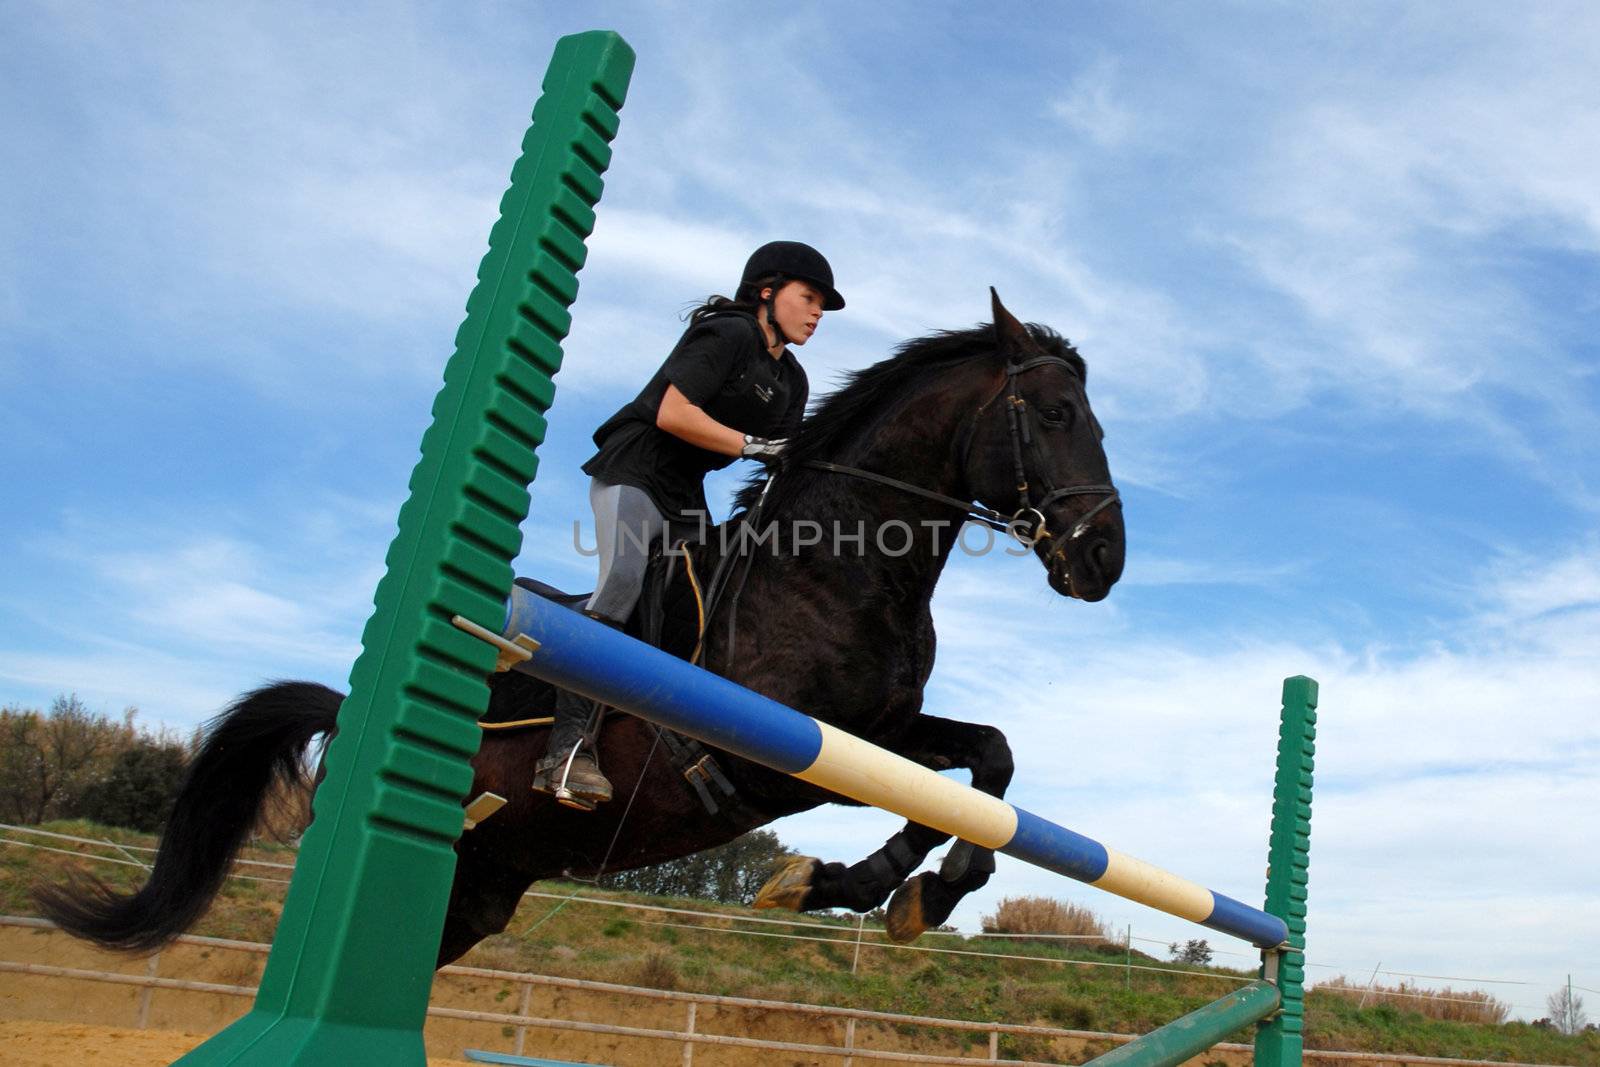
32	1044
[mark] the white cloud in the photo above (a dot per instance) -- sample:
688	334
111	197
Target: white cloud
1448	779
1344	257
214	591
171	688
1395	211
698	256
1090	106
1156	571
1525	590
179	617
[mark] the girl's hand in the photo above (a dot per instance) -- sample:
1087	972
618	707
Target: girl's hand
763	450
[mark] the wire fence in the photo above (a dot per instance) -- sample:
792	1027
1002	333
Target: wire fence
853	1044
856	937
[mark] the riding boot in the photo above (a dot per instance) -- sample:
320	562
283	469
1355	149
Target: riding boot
569	768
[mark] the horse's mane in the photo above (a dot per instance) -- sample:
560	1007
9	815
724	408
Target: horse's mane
869	395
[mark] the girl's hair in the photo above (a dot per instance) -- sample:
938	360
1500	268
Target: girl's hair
747	299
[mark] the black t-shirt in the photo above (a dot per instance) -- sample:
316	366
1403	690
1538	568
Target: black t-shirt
721	365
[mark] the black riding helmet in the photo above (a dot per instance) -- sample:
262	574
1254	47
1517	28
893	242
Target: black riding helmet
793	259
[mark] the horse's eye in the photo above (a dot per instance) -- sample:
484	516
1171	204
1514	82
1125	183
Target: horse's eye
1053	415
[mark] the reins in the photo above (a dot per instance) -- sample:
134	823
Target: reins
1019	421
1028	524
723	573
988	516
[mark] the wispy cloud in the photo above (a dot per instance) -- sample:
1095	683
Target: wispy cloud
1398	213
1164	748
177	621
1337	304
1150	571
1090	106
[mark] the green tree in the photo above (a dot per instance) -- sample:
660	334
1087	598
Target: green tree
1566	1010
727	874
138	790
48	760
1191	951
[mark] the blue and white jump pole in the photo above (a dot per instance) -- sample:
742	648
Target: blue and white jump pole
577	653
565	647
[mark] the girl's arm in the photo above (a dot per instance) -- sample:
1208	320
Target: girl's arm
683	420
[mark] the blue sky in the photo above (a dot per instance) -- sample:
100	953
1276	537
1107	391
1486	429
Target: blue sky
1334	274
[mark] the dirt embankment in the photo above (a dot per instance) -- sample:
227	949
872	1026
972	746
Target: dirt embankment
54	1019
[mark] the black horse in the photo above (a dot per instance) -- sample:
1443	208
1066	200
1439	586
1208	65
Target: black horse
835	626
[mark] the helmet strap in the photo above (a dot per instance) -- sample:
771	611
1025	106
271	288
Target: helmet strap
771	304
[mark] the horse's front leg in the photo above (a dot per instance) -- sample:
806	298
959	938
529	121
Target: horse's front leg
927	900
806	884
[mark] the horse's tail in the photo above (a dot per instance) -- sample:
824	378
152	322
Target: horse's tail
259	741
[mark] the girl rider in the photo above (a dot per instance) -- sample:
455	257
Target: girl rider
730	389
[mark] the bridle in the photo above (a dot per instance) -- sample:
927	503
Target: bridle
1020	422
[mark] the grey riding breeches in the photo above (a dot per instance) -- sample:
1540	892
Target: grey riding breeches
626	523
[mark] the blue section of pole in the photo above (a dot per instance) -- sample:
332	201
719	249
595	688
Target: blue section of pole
1055	848
1241	920
577	653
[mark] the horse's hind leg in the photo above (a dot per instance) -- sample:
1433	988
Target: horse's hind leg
806	884
483	899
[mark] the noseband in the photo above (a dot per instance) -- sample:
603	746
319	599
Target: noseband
1020	422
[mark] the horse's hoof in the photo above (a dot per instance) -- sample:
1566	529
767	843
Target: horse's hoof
788	886
905	922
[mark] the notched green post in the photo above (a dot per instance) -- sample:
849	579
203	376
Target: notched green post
352	963
1279	1040
1275	1002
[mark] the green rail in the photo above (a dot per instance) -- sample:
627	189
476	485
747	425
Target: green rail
352	963
1196	1032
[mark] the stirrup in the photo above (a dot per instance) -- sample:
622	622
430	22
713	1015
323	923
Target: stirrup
568	799
545	780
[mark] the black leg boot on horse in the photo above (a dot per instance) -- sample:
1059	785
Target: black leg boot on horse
570	769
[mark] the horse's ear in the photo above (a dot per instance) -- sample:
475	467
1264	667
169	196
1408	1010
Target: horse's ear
1010	334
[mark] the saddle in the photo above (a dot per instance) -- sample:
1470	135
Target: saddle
668	617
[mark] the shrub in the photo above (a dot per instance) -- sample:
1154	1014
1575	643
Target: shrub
1071	1014
1044	915
138	791
72	763
1451	1005
655	971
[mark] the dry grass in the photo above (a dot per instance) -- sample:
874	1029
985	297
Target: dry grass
1451	1005
1044	915
655	971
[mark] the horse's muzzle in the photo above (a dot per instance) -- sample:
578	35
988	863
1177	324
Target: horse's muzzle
1086	567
